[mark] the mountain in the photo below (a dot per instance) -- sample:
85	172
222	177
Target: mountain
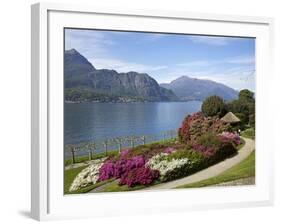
85	83
187	88
75	64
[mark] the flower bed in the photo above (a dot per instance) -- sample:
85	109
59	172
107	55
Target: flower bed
203	142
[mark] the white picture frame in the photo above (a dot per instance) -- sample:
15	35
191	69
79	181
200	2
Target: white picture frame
48	201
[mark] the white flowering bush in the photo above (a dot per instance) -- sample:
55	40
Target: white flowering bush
87	176
169	168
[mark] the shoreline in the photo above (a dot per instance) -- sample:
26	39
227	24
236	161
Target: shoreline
133	102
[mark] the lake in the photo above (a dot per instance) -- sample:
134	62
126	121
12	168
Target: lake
98	121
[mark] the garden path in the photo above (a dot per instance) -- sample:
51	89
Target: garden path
211	171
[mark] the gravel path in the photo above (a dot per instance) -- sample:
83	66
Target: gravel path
212	171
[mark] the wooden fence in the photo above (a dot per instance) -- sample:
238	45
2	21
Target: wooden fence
73	151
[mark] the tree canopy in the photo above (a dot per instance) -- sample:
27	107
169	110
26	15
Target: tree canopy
213	106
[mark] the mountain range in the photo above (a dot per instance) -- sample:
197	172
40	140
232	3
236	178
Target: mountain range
187	88
83	82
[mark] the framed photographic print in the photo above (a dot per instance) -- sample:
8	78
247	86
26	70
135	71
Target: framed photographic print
138	111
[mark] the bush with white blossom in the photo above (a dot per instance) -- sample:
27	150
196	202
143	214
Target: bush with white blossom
169	169
87	176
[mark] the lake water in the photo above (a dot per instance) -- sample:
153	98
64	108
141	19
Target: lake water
98	121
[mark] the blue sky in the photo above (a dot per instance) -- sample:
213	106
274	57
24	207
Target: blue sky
165	57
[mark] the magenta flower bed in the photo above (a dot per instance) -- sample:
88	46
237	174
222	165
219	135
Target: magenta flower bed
115	169
142	175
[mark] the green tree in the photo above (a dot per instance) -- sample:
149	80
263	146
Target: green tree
246	95
213	106
244	107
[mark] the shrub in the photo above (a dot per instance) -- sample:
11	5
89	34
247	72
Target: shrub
87	176
196	125
169	150
198	160
215	148
213	106
209	139
115	169
230	137
243	118
206	151
169	169
141	175
224	151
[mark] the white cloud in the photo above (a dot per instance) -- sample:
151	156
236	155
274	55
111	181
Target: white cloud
241	60
123	66
212	40
197	63
87	42
237	78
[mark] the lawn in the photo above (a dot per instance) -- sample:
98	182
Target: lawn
115	187
81	159
69	176
249	133
244	169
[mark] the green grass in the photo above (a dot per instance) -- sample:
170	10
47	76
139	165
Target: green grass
244	169
115	187
69	176
249	133
90	187
82	159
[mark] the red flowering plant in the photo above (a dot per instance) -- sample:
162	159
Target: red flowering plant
197	124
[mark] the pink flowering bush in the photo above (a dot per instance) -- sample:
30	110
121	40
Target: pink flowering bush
141	175
115	169
214	148
206	151
230	137
169	150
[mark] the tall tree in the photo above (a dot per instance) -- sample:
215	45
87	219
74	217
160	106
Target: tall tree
213	106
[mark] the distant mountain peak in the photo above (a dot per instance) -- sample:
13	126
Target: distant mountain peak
188	88
76	64
72	51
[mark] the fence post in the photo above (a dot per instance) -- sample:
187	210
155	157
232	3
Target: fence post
119	147
143	140
89	152
105	146
132	142
73	154
93	150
